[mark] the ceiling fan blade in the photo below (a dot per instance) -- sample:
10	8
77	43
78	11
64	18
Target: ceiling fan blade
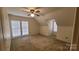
37	11
37	14
28	14
41	14
34	10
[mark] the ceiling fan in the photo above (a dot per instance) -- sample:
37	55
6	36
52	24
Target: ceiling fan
32	11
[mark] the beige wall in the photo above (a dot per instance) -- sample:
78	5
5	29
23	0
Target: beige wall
34	27
1	33
44	30
33	24
64	18
63	32
6	29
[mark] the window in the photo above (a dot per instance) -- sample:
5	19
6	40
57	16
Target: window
15	28
25	28
53	26
19	28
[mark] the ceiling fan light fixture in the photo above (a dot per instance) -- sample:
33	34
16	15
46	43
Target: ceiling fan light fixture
32	15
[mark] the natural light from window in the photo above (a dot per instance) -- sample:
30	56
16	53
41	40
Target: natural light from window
53	26
25	28
19	28
15	26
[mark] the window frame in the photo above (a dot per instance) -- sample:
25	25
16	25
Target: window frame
52	25
54	22
20	28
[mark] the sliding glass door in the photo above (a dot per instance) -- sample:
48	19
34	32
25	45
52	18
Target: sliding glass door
19	28
15	26
25	30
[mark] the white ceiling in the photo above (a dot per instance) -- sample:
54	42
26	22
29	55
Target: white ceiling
19	12
64	16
